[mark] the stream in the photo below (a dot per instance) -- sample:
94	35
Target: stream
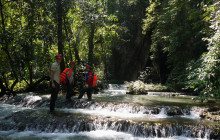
111	115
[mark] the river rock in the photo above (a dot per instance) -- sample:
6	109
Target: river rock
173	111
213	109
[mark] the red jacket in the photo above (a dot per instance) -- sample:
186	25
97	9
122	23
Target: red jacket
63	75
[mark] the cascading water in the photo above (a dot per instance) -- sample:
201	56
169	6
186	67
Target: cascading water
111	115
114	89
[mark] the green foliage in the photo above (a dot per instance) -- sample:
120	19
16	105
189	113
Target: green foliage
152	13
181	35
30	36
176	32
129	48
29	40
180	32
204	74
88	15
139	87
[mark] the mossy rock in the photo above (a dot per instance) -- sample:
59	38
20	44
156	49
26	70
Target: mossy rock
213	109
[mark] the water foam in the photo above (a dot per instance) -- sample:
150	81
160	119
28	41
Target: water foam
31	99
92	135
114	89
7	110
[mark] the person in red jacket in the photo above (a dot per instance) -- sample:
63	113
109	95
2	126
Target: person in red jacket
66	78
88	84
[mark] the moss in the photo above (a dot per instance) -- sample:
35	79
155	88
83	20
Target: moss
138	87
156	87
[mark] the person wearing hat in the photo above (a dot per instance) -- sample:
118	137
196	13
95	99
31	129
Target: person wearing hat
66	78
55	81
88	84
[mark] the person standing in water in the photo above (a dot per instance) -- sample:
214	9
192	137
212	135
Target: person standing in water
55	81
66	78
88	84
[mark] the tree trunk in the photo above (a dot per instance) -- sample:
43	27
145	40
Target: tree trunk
76	53
104	57
12	87
69	46
6	81
76	50
3	88
31	47
30	73
5	46
59	32
30	66
139	58
34	85
91	44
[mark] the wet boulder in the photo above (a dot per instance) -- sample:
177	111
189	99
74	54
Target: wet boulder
215	135
136	88
155	110
170	111
213	109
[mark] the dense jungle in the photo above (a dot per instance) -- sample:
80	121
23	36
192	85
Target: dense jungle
156	61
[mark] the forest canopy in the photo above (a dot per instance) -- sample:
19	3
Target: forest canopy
173	42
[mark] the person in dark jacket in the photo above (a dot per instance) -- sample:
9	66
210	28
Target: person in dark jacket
88	88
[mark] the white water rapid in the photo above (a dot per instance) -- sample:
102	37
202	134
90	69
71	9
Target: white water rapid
112	115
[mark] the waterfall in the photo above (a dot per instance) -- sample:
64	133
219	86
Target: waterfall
27	116
72	124
114	89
